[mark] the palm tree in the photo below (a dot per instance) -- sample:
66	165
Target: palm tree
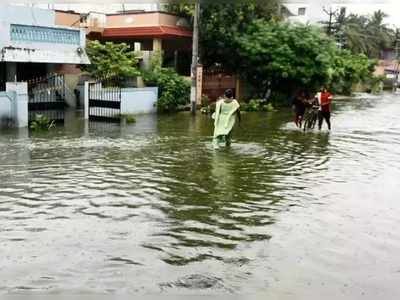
366	34
383	35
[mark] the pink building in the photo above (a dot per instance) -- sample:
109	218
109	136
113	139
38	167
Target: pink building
147	31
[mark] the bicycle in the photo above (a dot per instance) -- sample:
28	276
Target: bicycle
310	118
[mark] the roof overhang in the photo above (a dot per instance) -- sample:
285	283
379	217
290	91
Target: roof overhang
148	32
76	56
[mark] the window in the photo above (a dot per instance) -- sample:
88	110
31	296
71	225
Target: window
302	11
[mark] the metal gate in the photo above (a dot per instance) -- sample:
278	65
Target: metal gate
216	81
104	101
46	96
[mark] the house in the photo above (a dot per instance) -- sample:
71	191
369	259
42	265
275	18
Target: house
32	44
146	31
310	11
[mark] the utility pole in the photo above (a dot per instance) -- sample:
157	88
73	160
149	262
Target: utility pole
331	13
195	57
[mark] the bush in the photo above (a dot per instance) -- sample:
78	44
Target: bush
376	84
42	122
256	105
129	118
174	90
205	110
205	101
111	60
351	69
286	57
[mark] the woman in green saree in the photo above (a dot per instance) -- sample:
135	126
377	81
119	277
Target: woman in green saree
226	111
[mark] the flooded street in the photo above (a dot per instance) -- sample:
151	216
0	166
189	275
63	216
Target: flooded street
151	208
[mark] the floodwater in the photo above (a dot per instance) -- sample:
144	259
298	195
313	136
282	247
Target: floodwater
151	208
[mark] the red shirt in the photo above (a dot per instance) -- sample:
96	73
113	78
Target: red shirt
326	100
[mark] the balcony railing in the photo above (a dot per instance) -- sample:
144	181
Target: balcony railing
38	34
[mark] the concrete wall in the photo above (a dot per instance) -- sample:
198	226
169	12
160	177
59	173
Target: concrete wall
67	19
26	15
45	52
133	20
168	20
11	14
14	105
139	100
133	100
141	20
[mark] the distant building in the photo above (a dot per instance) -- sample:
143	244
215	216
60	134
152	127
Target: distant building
311	11
32	45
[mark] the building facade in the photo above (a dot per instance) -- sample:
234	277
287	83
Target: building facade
310	11
144	31
32	45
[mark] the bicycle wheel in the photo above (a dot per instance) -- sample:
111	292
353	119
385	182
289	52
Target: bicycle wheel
306	122
314	119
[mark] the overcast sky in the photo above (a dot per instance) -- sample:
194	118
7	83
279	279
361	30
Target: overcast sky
391	7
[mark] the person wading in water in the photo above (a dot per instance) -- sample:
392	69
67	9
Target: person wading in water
299	106
325	103
226	111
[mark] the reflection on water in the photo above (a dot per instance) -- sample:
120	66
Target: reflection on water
151	207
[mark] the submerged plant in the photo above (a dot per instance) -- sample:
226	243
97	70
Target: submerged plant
257	105
42	122
129	118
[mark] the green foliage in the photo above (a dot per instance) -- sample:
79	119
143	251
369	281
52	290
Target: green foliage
41	123
287	56
368	35
292	57
208	108
129	118
351	69
205	101
222	22
174	90
110	60
376	83
205	110
181	8
255	105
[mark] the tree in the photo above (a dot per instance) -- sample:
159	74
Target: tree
291	57
174	90
221	22
351	69
110	60
383	36
181	8
286	56
365	34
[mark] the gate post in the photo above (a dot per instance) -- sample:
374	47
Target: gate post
20	103
86	100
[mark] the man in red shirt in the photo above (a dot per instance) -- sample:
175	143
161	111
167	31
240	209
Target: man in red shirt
325	102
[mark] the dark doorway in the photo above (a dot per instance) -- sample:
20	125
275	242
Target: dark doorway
28	71
2	76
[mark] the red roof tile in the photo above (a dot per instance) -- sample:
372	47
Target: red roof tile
153	31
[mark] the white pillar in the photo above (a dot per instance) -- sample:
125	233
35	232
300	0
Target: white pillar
20	103
157	44
86	100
